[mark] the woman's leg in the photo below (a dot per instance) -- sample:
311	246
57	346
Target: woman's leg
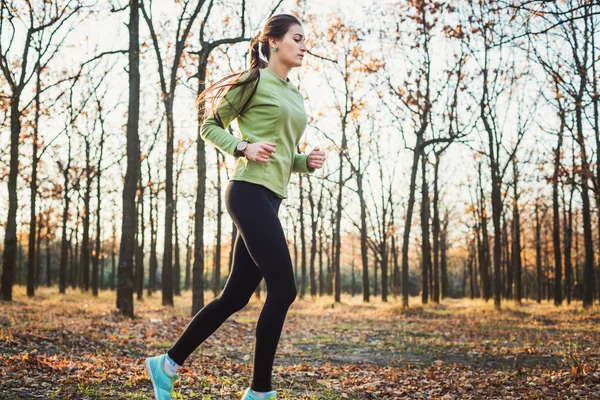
241	284
254	209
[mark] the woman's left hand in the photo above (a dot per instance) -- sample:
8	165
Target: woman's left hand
316	158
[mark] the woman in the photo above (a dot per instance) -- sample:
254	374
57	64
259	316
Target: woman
271	117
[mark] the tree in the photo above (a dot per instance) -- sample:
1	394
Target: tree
125	282
168	84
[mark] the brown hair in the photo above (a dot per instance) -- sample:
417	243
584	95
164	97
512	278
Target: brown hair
276	27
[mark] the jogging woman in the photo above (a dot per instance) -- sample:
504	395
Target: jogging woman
271	117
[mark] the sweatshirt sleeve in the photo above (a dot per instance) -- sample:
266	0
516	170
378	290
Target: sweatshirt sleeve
300	164
214	132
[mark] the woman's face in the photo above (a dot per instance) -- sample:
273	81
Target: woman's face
291	48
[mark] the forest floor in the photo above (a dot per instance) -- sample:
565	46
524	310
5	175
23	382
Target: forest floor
77	347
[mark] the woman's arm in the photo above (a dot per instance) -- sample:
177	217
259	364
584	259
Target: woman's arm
213	131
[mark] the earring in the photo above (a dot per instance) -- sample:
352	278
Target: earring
274	48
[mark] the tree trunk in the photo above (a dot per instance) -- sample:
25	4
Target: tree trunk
98	212
295	230
152	274
375	267
322	289
408	220
64	246
588	268
472	279
313	239
38	246
188	260
177	264
139	255
436	233
538	252
113	272
33	188
217	259
396	274
516	241
85	240
48	256
595	101
9	255
568	242
556	214
508	289
75	270
484	250
444	258
364	251
302	238
425	250
338	221
167	264
125	285
198	267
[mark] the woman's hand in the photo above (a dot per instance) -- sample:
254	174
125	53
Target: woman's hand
316	158
260	151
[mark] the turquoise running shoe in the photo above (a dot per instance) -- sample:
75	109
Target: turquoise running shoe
272	395
161	381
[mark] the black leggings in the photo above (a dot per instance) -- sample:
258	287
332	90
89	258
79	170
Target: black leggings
260	250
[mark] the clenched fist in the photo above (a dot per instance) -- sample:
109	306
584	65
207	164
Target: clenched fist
316	158
260	151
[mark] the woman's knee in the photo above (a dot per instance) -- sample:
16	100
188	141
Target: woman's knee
284	295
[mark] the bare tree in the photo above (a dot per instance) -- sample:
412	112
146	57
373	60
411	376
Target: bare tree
125	281
168	84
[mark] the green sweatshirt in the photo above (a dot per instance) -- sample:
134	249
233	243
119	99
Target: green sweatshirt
275	114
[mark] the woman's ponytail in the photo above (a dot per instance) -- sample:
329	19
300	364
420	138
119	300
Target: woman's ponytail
255	61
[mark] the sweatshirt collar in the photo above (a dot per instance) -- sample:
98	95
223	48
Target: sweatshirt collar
283	82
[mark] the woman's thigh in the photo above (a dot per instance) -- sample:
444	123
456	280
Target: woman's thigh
253	209
244	277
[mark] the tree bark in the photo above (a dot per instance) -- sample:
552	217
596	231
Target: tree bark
425	245
33	187
199	206
516	241
64	247
302	237
436	232
125	284
556	212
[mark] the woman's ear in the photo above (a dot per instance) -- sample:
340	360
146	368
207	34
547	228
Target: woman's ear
272	43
